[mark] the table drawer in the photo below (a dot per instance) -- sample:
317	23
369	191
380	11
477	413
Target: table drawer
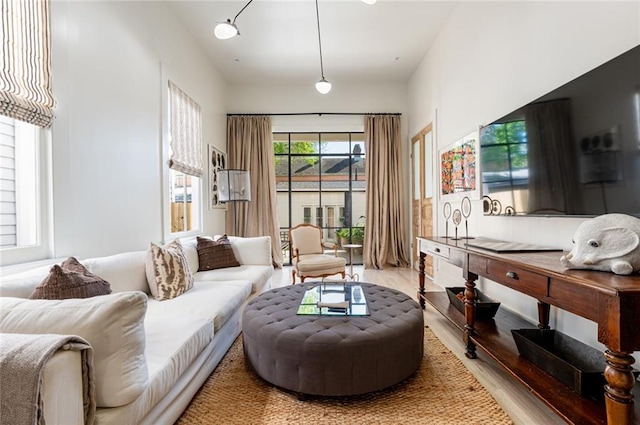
572	298
522	280
438	250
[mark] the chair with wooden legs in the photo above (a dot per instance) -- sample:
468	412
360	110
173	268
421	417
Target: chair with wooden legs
308	257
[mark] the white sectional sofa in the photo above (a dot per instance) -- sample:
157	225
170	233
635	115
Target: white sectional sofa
150	357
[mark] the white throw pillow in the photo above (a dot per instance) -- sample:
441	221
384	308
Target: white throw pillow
114	326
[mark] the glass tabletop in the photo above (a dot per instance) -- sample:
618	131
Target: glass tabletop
334	299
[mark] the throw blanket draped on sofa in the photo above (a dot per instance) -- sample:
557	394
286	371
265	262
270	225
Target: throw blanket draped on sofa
22	360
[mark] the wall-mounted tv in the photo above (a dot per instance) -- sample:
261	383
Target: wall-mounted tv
572	152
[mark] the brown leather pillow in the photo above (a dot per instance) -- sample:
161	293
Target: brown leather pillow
70	280
215	254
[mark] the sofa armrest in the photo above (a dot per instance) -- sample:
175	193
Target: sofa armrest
62	389
255	250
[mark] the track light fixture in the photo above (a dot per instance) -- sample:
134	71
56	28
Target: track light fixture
228	29
323	86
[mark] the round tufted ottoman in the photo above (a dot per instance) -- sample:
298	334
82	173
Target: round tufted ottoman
333	355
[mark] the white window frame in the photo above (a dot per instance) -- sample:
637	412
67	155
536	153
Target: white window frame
42	249
197	210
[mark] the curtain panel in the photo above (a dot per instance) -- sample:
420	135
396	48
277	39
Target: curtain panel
250	147
25	68
385	236
185	128
551	153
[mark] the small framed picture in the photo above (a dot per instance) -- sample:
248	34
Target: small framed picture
459	172
217	162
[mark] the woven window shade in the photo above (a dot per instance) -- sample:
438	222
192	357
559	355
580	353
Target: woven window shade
25	68
185	127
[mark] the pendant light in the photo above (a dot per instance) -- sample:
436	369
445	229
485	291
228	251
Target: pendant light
323	86
228	29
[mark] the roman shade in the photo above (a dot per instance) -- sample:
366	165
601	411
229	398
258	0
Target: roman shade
25	70
185	128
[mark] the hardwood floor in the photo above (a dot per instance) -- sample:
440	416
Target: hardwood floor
523	407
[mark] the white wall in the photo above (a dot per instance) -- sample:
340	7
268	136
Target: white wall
106	59
493	57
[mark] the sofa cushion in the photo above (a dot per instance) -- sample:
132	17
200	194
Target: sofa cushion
113	325
254	250
216	254
258	275
189	246
216	301
174	343
168	273
21	285
125	271
70	280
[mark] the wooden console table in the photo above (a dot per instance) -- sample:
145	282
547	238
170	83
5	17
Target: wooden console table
610	300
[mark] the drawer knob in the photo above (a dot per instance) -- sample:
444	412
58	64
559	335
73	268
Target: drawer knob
437	250
512	275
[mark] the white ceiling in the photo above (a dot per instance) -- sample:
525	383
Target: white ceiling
279	40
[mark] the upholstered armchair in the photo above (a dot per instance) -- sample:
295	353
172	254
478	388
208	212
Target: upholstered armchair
307	254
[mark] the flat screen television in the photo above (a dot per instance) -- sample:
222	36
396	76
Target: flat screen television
573	152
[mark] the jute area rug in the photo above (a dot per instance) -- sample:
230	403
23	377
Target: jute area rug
441	392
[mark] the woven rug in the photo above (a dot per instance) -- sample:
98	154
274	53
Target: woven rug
441	392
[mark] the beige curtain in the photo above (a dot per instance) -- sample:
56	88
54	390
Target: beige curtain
25	62
250	147
385	235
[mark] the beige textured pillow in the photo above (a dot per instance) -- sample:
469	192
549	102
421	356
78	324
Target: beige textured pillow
114	326
216	254
70	280
168	273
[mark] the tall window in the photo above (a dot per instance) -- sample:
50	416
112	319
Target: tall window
25	110
320	179
185	163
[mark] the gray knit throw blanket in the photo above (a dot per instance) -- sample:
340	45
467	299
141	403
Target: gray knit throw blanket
22	361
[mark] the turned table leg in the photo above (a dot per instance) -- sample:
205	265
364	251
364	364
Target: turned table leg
421	278
620	381
470	316
543	315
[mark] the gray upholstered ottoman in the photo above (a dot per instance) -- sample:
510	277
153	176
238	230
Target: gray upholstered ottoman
333	355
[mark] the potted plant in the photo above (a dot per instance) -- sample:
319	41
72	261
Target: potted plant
343	235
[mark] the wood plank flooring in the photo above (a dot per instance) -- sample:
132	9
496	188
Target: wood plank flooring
522	407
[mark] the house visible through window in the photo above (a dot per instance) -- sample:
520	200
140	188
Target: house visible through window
320	179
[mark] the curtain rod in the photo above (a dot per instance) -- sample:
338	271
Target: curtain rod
315	113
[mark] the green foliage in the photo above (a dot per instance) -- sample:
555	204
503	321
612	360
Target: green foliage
356	234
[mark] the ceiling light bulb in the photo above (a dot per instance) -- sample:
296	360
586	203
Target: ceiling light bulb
370	1
226	30
323	86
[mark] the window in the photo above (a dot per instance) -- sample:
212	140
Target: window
185	163
22	192
320	179
505	172
25	110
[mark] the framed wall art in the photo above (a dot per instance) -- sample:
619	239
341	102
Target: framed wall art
459	173
217	161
